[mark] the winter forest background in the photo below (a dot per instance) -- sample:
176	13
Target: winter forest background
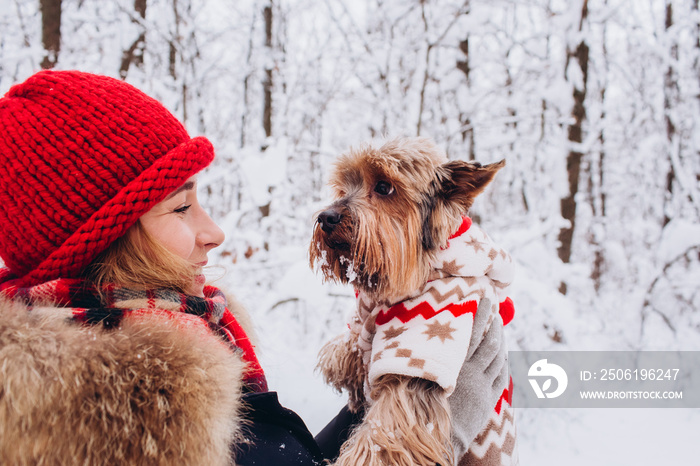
595	105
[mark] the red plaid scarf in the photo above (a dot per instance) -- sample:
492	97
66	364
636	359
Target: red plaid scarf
116	303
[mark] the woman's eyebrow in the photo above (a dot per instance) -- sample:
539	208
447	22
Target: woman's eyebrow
185	187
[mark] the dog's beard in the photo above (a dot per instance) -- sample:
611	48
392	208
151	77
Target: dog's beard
335	255
331	252
381	255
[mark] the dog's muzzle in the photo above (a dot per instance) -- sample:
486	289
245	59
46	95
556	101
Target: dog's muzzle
329	219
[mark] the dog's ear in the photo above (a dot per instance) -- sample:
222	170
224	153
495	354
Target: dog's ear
456	186
462	181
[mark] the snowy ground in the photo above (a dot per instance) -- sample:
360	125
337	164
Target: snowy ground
608	437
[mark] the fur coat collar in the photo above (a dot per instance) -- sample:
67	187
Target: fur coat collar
151	391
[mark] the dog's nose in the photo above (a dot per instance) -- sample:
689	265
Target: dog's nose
329	219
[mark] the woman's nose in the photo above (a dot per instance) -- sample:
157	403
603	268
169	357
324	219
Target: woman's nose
210	235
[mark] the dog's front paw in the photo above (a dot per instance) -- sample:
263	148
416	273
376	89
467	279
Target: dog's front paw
407	425
340	362
363	448
373	444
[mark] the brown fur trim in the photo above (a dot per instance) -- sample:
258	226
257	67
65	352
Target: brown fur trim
150	392
242	316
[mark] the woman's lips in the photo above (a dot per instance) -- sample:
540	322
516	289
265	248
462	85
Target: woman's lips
200	279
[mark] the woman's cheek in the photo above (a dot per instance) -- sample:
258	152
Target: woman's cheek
180	241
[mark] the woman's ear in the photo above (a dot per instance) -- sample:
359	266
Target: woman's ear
462	181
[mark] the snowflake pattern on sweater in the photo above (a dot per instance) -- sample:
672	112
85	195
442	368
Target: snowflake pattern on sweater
427	334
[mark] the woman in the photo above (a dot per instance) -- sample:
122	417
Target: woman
112	348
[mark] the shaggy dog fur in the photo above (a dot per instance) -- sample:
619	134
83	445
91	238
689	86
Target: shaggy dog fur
395	207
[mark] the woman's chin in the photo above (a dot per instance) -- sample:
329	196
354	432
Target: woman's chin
197	287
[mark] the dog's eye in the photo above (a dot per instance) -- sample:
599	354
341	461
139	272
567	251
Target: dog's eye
383	188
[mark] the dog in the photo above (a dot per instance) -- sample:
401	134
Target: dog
424	357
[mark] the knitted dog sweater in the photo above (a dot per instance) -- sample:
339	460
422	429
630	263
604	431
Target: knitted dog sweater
431	333
427	334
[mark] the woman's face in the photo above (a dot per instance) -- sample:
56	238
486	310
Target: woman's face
181	225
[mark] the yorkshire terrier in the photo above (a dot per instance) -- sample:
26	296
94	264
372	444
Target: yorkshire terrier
424	357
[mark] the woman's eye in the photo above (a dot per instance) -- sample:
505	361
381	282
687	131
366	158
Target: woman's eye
383	188
183	209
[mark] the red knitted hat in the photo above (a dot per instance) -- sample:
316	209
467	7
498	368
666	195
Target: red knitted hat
82	157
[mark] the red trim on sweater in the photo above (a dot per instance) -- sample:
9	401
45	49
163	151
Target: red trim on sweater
424	309
466	224
507	310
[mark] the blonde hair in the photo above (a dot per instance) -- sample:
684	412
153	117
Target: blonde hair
136	260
